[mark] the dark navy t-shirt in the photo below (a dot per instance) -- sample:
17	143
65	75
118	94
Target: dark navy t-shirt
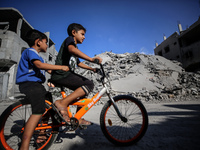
64	57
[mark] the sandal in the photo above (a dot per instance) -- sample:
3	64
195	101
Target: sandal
63	111
84	122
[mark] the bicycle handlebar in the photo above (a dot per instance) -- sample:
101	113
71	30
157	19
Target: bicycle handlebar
104	75
96	61
100	70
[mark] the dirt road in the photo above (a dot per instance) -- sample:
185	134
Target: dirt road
172	126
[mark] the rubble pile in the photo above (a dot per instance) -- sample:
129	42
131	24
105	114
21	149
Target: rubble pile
146	77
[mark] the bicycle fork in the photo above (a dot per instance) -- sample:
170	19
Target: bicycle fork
124	119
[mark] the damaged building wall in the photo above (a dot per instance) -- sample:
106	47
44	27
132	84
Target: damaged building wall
3	84
183	47
190	47
10	52
13	28
169	48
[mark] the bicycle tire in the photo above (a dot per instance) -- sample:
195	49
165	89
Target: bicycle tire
124	133
12	122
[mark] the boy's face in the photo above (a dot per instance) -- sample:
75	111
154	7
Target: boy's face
43	45
79	36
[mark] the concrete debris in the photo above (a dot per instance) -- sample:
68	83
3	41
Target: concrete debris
147	77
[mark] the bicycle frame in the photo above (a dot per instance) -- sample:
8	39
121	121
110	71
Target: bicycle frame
85	103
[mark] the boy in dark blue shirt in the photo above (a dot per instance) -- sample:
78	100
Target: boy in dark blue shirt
30	76
69	55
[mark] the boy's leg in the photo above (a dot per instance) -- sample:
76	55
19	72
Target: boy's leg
63	103
35	93
79	84
81	87
70	98
28	131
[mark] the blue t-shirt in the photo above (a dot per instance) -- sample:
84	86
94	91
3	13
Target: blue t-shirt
27	71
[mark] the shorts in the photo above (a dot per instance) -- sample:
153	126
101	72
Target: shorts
35	93
74	81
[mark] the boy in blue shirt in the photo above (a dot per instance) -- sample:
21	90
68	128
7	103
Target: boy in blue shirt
30	76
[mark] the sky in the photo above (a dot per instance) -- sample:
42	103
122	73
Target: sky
119	26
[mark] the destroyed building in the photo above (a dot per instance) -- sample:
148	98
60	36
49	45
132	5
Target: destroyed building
147	77
13	28
183	47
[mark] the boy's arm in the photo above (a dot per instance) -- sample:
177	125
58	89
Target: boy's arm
75	51
84	66
45	66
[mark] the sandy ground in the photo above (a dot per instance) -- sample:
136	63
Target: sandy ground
172	126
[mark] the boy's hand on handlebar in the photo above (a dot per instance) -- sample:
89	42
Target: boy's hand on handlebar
95	70
98	58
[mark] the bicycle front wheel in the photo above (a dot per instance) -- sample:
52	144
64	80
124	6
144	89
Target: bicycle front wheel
12	124
124	132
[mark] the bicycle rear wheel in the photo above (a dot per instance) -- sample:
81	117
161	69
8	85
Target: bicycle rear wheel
12	124
127	132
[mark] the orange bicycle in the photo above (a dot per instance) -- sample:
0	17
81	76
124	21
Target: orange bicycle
123	119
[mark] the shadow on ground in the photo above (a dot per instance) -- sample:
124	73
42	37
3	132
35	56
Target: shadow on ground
176	127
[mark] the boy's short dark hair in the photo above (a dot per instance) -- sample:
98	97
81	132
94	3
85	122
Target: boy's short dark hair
76	27
33	35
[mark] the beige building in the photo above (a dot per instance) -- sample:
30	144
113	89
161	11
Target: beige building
183	47
13	28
